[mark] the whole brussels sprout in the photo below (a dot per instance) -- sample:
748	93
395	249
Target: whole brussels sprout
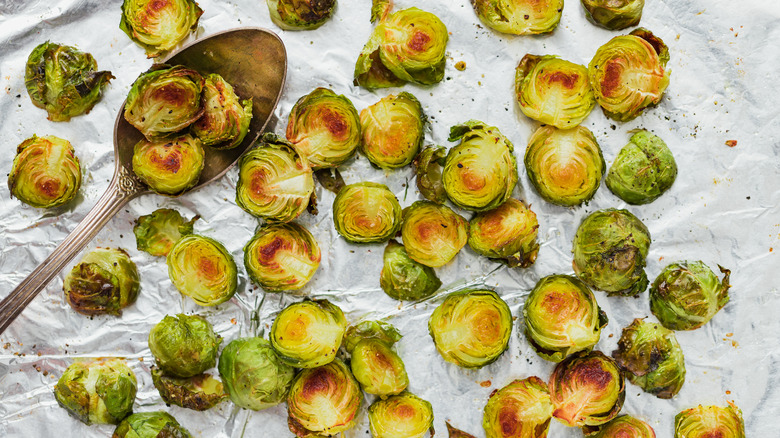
63	80
404	415
521	409
169	167
282	257
99	392
254	376
308	334
562	317
614	14
165	100
300	14
184	345
404	279
480	173
643	170
471	328
156	233
104	282
199	393
378	369
564	166
519	17
45	172
624	426
687	294
150	425
587	389
202	269
377	330
393	130
433	234
325	128
225	120
709	421
428	166
629	74
366	212
158	26
553	91
651	358
507	233
610	248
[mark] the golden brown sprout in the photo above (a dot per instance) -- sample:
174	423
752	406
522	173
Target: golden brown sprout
159	25
521	409
507	233
404	415
203	269
366	212
624	426
45	172
282	257
433	234
169	167
709	421
519	17
308	334
393	130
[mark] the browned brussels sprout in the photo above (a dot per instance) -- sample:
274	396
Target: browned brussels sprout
519	17
225	120
199	393
624	426
643	170
521	409
709	421
366	212
282	257
99	392
614	14
300	14
308	334
507	233
393	130
433	234
404	279
374	364
45	172
184	345
202	269
428	166
159	25
150	425
404	415
104	282
169	167
156	233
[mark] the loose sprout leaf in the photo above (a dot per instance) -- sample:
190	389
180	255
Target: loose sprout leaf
428	166
156	233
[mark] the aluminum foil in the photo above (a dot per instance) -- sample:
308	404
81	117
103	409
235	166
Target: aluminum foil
723	209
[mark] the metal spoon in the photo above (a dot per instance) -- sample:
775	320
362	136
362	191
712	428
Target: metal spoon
253	60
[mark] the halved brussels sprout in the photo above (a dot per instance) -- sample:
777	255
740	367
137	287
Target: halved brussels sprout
45	172
377	330
378	368
323	401
184	345
564	166
629	73
393	130
433	234
282	257
165	100
610	248
254	376
150	425
651	358
687	294
225	120
159	25
199	393
300	14
507	233
404	415
553	91
169	167
156	233
709	421
480	173
519	17
202	269
104	282
643	170
521	409
614	14
308	334
471	328
562	317
404	279
63	81
366	212
624	426
99	392
428	166
324	127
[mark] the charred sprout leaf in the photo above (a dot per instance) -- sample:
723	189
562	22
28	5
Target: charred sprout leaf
184	345
99	392
710	421
380	9
156	233
404	279
428	166
366	212
643	170
553	91
519	17
254	376
63	80
300	14
521	409
378	368
624	426
45	172
159	25
562	317
377	330
457	433
308	334
610	248
686	295
199	393
393	130
614	14
330	179
202	269
480	173
150	425
104	282
433	234
225	120
169	167
403	415
282	257
471	328
507	233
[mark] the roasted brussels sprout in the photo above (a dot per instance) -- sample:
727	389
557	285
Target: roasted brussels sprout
366	212
169	167
101	392
404	415
165	100
433	234
157	232
324	127
300	14
610	248
104	282
404	279
428	166
643	170
63	80
225	120
45	172
480	173
159	25
687	294
651	358
709	421
308	334
282	257
507	233
393	130
184	345
564	166
199	393
150	425
374	364
471	328
521	409
519	17
202	269
629	74
562	317
624	426
614	14
323	401
254	376
377	330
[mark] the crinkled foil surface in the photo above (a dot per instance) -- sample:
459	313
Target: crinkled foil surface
723	209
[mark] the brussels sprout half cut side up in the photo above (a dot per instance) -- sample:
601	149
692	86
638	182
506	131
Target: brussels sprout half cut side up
202	269
403	415
428	166
45	172
63	80
199	393
104	282
378	369
624	426
506	233
150	425
300	14
392	130
433	234
643	170
403	278
159	25
282	257
366	212
156	233
225	120
521	409
169	167
614	14
184	345
308	334
709	421
519	17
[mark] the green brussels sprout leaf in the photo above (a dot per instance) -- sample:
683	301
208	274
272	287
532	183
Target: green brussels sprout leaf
156	233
